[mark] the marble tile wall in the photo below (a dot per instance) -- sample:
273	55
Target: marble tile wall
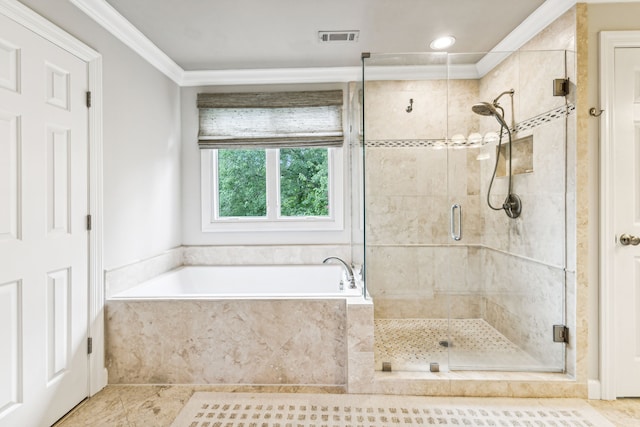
228	342
263	254
360	354
123	278
541	243
524	299
407	198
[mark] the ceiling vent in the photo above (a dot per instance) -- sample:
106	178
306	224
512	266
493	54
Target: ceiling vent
338	36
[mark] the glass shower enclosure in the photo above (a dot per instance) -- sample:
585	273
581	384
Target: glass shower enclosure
459	279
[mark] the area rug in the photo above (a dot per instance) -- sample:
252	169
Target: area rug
209	409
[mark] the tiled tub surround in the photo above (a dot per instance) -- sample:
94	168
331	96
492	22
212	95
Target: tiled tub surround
251	339
260	342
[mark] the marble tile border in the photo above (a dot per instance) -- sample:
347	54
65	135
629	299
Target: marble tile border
478	384
125	277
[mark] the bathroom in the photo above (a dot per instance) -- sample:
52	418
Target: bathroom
438	154
407	194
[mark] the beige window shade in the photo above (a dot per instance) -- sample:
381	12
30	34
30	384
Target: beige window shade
270	119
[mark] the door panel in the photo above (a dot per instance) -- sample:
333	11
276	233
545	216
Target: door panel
626	125
43	237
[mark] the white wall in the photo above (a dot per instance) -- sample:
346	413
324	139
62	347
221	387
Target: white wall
142	201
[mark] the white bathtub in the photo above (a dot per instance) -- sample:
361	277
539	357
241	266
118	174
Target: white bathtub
245	282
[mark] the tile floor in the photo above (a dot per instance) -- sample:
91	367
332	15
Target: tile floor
136	406
412	344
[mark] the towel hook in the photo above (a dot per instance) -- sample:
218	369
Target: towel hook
410	107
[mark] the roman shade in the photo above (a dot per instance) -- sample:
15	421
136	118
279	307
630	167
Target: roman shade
270	119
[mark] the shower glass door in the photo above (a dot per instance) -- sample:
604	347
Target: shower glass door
457	284
406	208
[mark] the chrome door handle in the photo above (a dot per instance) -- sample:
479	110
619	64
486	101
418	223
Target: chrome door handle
626	240
456	236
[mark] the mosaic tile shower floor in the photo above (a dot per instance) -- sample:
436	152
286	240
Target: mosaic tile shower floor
412	344
313	410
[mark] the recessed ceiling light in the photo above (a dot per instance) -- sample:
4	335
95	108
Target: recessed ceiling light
442	42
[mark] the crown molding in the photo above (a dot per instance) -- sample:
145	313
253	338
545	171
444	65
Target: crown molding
20	13
109	18
325	75
541	18
271	76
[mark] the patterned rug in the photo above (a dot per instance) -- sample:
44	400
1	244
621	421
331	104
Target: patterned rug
208	409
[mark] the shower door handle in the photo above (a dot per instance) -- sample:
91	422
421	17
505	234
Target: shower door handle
456	236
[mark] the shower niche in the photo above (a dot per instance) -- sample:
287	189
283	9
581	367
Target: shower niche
521	157
455	282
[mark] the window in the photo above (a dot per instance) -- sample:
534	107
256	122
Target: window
271	168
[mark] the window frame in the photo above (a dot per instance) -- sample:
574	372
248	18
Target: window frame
212	222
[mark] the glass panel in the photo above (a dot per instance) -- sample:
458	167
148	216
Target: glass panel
405	116
304	182
507	280
242	183
455	281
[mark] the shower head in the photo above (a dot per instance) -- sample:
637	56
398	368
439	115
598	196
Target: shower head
484	109
487	109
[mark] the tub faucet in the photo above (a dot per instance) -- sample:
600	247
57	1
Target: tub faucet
348	269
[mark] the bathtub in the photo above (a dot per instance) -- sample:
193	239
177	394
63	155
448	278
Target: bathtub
246	281
237	325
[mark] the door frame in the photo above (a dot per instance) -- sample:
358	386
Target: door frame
29	19
609	41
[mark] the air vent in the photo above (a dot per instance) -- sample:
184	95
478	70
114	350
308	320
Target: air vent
338	36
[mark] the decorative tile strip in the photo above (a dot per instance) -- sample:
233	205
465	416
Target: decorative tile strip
408	143
545	118
523	126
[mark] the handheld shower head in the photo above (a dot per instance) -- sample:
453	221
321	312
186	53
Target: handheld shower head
487	109
484	109
512	204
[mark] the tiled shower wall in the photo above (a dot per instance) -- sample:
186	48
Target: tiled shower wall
509	272
407	219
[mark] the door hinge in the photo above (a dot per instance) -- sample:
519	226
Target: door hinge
89	345
560	87
89	222
560	333
89	99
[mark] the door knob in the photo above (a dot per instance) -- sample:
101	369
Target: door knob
626	240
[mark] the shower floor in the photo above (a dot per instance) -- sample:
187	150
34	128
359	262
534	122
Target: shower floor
412	344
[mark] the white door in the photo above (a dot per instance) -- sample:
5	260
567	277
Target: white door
43	235
626	216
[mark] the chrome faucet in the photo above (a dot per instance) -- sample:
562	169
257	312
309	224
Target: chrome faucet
350	277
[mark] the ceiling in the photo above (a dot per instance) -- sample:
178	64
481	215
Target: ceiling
192	37
246	34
